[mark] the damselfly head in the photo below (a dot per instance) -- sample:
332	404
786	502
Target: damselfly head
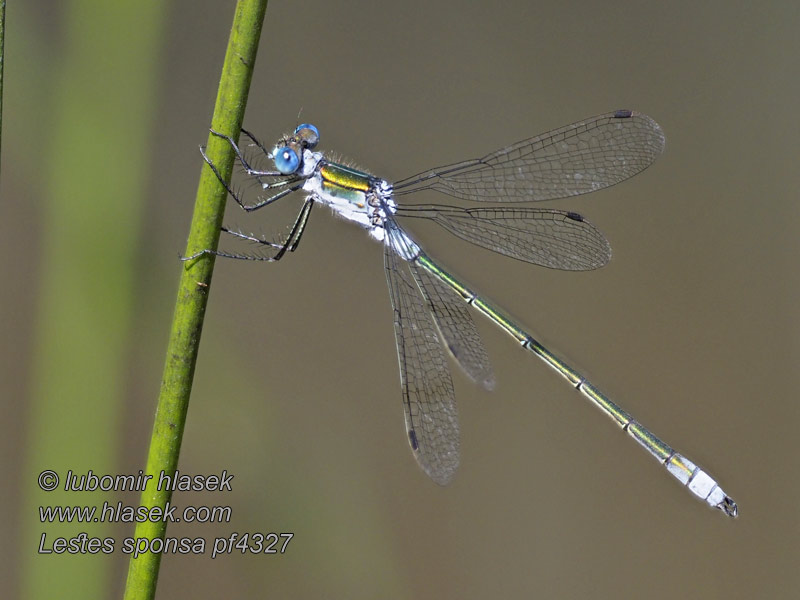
289	151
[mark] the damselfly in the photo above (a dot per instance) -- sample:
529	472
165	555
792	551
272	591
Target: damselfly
430	304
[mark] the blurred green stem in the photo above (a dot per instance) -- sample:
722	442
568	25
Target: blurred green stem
2	57
176	385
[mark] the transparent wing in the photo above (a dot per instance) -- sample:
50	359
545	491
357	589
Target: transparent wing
575	159
551	238
428	396
456	327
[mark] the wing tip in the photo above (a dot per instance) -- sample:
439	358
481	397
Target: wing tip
443	472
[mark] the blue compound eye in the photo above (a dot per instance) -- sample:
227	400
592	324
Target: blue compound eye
286	160
308	135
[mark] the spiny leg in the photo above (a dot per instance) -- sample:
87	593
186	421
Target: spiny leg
292	240
247	168
283	180
298	184
251	238
255	173
291	243
256	142
297	229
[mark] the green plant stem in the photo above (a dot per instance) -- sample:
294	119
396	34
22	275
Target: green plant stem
176	385
2	58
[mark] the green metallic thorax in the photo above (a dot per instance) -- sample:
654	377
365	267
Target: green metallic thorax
345	183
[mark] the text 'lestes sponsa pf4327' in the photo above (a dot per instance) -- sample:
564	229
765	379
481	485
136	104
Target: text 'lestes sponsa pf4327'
431	304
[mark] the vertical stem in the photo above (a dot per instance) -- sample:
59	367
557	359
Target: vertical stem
2	58
176	385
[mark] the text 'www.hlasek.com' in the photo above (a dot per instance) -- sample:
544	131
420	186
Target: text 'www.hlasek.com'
114	511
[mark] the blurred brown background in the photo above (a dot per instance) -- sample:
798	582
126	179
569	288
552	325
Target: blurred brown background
693	326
